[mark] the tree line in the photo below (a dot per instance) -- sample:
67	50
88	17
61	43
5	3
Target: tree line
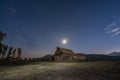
8	53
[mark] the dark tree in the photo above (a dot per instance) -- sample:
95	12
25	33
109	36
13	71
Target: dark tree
2	35
19	54
13	54
9	53
5	48
1	48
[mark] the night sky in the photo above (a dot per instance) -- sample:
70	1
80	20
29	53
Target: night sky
38	26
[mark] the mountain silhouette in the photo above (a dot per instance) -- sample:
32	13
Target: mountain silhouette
115	54
100	56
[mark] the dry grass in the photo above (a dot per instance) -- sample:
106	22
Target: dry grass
104	70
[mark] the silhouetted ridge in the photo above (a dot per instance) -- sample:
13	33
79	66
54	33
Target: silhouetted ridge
115	54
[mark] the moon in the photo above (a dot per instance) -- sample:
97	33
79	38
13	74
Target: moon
64	41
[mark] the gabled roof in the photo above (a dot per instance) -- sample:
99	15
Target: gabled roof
66	51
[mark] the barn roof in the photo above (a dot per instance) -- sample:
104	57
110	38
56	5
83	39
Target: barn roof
66	51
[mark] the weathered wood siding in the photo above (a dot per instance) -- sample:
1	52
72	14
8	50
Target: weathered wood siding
66	55
63	57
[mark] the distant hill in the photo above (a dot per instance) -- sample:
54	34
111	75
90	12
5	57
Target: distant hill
92	57
47	57
99	56
115	54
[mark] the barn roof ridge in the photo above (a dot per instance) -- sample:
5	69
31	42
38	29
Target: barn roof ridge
64	48
68	51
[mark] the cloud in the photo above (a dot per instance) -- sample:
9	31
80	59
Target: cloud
113	29
112	24
116	33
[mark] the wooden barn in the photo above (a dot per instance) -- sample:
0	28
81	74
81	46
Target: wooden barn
67	55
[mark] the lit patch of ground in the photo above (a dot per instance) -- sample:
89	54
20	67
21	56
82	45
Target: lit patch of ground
103	70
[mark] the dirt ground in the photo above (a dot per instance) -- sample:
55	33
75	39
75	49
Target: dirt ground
99	70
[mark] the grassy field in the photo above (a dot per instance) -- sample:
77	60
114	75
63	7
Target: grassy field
100	70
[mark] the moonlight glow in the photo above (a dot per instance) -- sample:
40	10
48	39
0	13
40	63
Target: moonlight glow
64	41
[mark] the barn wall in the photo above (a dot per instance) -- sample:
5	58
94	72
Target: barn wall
59	56
63	57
